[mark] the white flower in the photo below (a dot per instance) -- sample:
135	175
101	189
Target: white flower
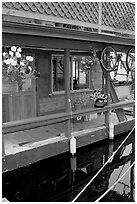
13	48
13	62
29	58
11	53
7	61
22	64
19	49
30	68
4	54
18	55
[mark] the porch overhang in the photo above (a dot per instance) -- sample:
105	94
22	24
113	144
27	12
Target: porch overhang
54	32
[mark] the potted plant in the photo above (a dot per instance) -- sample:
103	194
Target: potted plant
100	98
88	61
17	67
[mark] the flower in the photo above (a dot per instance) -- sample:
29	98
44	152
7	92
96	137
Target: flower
29	58
16	67
18	55
4	54
22	64
11	53
19	49
13	48
99	94
86	63
7	61
13	62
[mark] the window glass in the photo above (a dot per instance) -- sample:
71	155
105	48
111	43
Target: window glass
79	79
58	73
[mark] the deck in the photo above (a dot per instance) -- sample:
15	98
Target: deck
31	145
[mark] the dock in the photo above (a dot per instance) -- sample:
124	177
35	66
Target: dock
25	146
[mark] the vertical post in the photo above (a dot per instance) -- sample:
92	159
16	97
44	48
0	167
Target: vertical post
3	146
71	73
67	91
107	114
103	78
78	73
90	79
132	177
133	111
100	16
134	105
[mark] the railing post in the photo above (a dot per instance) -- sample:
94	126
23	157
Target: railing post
133	111
67	91
107	114
3	145
134	104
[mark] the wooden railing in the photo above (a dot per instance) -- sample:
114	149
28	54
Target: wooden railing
30	123
26	124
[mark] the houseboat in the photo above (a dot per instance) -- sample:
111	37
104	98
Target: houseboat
69	45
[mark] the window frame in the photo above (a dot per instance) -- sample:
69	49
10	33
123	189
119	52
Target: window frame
52	92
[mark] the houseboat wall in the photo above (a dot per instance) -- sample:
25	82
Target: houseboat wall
42	48
46	101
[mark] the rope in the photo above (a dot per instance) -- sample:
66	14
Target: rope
102	167
114	183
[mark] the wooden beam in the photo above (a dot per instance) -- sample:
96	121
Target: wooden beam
67	90
107	114
3	146
120	113
43	31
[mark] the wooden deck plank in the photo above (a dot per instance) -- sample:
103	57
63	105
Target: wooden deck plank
29	154
18	137
27	137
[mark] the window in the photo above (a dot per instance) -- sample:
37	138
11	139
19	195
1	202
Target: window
58	73
79	79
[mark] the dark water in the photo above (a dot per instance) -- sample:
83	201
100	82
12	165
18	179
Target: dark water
61	178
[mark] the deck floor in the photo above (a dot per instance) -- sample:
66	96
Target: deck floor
23	140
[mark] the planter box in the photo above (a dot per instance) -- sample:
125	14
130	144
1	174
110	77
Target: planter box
9	87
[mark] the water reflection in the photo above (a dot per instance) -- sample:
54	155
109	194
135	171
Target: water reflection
61	178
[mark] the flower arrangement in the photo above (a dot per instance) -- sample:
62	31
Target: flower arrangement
99	94
86	63
17	67
99	97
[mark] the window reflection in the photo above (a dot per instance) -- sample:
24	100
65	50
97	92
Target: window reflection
79	79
